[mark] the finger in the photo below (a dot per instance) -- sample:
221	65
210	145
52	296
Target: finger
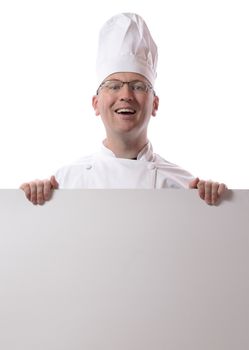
201	189
222	189
54	183
214	192
194	183
208	192
33	192
47	190
40	192
26	188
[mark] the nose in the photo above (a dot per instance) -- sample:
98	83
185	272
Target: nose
126	99
126	93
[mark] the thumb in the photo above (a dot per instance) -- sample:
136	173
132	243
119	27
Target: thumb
54	183
194	183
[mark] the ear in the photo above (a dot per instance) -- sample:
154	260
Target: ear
95	104
155	106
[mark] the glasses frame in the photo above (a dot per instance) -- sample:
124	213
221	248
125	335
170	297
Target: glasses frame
148	85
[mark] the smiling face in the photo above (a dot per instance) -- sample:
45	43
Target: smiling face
125	112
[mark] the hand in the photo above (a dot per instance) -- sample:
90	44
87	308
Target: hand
39	191
208	190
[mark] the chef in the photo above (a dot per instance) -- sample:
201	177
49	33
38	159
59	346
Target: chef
125	101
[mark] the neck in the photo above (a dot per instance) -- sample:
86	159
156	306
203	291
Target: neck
124	148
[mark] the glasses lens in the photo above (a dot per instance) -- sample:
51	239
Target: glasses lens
138	86
113	85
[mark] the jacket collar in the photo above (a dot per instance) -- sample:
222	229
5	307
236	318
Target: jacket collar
145	154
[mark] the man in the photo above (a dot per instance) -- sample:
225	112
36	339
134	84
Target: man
125	100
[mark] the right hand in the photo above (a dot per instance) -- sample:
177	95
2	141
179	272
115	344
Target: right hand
39	191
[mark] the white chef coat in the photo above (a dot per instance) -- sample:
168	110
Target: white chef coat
104	170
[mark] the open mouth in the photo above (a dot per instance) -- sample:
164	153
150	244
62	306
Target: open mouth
125	111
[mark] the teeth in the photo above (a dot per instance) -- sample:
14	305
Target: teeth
125	110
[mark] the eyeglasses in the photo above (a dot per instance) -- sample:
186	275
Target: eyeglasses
136	86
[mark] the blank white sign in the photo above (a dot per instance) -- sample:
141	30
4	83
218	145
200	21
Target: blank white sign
124	270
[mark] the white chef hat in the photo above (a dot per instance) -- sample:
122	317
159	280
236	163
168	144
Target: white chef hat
126	45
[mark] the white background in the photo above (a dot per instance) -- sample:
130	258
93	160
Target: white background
47	80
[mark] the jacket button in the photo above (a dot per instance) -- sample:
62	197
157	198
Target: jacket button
151	166
88	166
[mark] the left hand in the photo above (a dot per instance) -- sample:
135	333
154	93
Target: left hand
208	190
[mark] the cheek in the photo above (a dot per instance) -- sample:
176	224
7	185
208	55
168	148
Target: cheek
105	104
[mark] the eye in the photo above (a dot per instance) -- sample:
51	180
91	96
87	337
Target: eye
139	86
114	85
